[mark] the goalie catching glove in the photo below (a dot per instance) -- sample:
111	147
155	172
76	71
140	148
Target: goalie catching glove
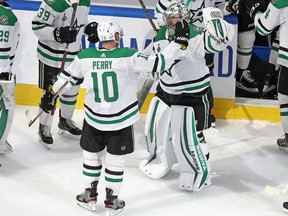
48	102
215	25
182	34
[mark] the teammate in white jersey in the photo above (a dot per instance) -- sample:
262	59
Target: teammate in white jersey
181	104
55	37
276	15
9	38
111	108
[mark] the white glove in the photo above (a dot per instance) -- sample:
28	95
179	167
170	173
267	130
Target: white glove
215	25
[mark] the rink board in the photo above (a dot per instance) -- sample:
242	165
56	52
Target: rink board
138	34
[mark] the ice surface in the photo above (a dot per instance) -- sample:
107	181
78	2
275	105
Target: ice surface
37	182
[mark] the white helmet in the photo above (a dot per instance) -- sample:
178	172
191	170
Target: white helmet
106	31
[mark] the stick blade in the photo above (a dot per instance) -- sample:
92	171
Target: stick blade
272	190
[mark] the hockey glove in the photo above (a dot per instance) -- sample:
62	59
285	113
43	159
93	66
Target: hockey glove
253	6
234	6
182	34
48	102
65	34
91	32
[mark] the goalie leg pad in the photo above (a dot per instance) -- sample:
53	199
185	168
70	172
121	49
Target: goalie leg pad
161	154
6	119
194	167
8	87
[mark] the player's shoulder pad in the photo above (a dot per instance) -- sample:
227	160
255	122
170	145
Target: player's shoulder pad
57	5
161	35
279	3
98	53
85	3
8	18
195	30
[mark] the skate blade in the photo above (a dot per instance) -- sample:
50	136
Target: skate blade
90	207
66	134
47	146
111	212
252	90
284	149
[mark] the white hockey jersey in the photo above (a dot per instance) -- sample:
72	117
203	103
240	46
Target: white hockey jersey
195	7
9	37
53	14
190	75
110	78
275	15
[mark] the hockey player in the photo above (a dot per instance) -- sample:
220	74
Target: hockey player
51	26
111	106
9	38
265	22
180	109
276	15
195	17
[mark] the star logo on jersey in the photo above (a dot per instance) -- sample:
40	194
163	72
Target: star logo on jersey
196	14
4	19
168	72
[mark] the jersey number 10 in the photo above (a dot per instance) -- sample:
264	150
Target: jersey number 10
109	86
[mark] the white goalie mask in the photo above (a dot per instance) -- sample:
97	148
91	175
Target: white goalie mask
106	31
176	10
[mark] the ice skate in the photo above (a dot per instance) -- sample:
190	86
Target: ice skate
285	207
113	204
283	143
270	82
5	148
246	82
68	128
88	198
45	136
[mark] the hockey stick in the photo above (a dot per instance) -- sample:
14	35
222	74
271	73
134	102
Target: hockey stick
27	113
148	15
148	83
276	191
74	7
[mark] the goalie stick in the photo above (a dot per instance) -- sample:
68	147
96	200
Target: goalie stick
148	83
74	4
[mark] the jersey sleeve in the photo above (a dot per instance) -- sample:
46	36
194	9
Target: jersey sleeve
158	63
16	39
270	19
73	73
43	21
